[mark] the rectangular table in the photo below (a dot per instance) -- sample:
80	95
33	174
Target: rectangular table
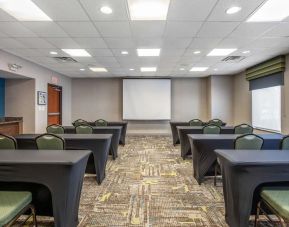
114	130
203	146
99	144
184	131
175	135
123	124
243	171
61	172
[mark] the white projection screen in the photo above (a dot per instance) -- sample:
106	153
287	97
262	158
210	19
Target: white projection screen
266	108
146	99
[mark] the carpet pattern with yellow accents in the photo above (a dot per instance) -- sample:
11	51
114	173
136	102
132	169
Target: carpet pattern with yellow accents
149	185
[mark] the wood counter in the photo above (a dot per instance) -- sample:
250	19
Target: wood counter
11	125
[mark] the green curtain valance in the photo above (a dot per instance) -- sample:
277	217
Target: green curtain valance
266	68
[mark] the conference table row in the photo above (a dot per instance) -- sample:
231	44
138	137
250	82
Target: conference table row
243	172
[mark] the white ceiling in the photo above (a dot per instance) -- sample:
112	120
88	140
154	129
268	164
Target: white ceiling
191	25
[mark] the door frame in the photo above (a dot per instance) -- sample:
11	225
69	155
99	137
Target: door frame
60	101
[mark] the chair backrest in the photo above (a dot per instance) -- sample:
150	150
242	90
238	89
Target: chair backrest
217	122
83	129
249	142
79	122
243	129
211	129
100	122
55	129
49	141
7	142
285	143
195	122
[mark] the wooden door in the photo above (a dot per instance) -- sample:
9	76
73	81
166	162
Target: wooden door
54	110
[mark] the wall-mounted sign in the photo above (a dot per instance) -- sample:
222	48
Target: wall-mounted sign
41	98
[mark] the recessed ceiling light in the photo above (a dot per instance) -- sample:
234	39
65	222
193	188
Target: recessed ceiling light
148	52
246	52
106	10
53	52
221	52
197	52
198	69
98	69
131	69
24	10
182	69
82	69
148	9
148	69
77	52
124	52
233	10
271	10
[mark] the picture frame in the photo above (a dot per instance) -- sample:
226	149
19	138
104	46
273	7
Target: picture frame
41	98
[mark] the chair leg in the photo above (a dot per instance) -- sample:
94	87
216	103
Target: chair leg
257	214
216	172
33	212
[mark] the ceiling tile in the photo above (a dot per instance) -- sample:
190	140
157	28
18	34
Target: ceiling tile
204	43
251	30
79	29
64	10
182	28
93	9
10	43
120	42
172	52
113	29
45	29
196	10
63	43
100	52
147	28
90	42
24	52
280	30
15	29
217	29
35	43
5	16
176	42
248	7
235	42
148	42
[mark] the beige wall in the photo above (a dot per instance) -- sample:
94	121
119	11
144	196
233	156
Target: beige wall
285	101
102	98
19	101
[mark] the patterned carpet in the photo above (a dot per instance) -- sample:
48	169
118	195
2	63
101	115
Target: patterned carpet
149	185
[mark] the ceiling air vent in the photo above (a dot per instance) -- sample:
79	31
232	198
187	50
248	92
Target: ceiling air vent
65	59
233	59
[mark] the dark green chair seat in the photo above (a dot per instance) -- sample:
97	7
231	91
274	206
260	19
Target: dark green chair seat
100	122
55	129
50	142
217	122
7	142
285	143
84	129
79	122
13	204
195	122
211	129
243	129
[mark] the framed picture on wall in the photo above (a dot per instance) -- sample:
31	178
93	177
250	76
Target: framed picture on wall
41	98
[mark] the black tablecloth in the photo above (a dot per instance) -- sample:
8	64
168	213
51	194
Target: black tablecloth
175	135
184	131
114	130
203	147
99	144
243	171
61	172
117	123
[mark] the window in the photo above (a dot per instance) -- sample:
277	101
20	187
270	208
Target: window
266	108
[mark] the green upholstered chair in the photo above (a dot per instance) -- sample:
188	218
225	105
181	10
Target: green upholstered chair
211	129
285	143
55	129
195	122
84	129
248	142
79	122
7	142
13	204
217	122
50	142
100	122
243	129
244	142
276	198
